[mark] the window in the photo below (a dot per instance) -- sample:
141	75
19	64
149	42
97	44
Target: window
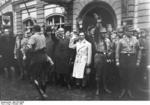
3	2
28	24
57	20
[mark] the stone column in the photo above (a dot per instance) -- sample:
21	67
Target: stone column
135	14
69	15
19	21
40	12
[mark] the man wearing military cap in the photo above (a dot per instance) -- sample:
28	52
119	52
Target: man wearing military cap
127	57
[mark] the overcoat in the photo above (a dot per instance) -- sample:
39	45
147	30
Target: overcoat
83	57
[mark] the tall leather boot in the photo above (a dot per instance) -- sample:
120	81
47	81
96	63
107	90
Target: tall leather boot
12	72
97	87
6	73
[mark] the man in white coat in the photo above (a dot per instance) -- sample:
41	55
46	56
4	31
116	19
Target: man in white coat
83	57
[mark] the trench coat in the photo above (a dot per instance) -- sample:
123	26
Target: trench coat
83	57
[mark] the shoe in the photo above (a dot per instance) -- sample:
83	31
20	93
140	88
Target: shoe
97	92
69	86
130	94
107	90
122	93
43	94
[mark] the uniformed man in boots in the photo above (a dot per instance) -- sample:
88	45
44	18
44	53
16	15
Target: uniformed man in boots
100	62
127	58
39	65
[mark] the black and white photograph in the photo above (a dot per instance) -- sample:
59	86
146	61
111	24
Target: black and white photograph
74	50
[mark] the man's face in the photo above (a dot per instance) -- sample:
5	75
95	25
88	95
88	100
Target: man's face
6	33
81	37
143	34
129	33
109	29
103	35
120	34
92	31
98	24
48	33
135	33
68	34
28	34
62	32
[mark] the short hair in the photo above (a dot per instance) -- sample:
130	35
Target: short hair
36	28
48	29
81	33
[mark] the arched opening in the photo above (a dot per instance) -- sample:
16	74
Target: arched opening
28	23
55	20
101	8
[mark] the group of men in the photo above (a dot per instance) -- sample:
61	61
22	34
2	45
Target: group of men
76	55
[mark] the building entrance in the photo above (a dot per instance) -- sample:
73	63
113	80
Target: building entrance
101	9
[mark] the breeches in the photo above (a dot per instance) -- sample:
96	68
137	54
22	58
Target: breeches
127	70
100	66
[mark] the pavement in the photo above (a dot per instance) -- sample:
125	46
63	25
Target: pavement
23	90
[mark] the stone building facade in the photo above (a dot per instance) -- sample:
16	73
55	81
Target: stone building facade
29	12
134	12
6	15
115	12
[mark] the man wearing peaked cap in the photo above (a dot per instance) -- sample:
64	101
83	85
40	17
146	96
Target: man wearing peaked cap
127	58
100	59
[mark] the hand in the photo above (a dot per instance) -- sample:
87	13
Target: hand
15	57
87	64
117	63
138	64
1	56
24	57
88	70
148	67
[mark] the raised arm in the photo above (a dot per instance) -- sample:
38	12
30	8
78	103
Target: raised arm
72	44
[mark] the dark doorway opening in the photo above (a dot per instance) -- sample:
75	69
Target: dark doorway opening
101	8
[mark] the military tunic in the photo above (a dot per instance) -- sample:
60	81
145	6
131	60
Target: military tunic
39	66
126	53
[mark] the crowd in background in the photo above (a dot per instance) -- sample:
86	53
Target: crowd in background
75	58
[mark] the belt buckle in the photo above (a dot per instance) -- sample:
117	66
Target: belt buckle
128	54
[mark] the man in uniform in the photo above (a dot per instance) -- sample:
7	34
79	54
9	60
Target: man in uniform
100	60
18	55
127	57
39	65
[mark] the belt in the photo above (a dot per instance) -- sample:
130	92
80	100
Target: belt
128	54
43	50
98	52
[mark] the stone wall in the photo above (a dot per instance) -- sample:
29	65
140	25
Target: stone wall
143	11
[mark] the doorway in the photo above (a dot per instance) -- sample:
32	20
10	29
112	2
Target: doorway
100	8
